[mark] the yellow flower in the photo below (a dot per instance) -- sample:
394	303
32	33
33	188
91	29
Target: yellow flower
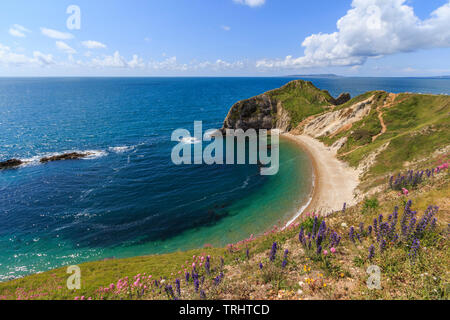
324	285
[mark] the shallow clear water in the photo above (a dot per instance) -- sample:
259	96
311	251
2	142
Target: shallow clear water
128	199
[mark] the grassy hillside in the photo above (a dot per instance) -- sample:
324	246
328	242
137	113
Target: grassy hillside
318	257
301	99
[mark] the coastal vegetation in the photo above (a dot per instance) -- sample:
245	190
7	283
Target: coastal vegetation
399	223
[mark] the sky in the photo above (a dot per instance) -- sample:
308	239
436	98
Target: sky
224	37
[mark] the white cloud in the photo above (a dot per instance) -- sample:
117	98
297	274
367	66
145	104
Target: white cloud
226	28
117	61
251	3
90	44
136	62
18	31
371	28
43	59
55	34
7	57
65	47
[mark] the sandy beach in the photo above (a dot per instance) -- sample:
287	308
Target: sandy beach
335	182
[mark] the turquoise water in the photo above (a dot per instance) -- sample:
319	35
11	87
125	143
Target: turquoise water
128	199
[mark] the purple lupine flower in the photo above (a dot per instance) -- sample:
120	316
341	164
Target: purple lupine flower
202	295
260	266
301	235
187	276
352	234
358	236
382	245
196	284
207	266
319	250
414	248
344	207
178	286
273	252
433	224
286	252
283	265
371	252
369	231
361	228
314	226
169	292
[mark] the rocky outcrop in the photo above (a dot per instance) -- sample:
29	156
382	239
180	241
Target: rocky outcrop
343	98
10	164
66	156
255	113
267	111
333	122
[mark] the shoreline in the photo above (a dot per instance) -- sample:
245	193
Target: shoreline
334	182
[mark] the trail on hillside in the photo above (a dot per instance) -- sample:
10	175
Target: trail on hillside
387	104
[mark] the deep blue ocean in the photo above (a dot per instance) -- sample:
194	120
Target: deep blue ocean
128	199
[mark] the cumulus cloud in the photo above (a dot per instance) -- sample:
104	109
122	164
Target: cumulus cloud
7	57
251	3
117	61
10	58
18	31
61	45
55	34
371	28
43	59
91	44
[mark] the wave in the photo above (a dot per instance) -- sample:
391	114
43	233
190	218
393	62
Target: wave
36	160
190	140
122	149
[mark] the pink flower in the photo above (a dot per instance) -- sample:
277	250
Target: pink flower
333	250
325	252
405	191
193	265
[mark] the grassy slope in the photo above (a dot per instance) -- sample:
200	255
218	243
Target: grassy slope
301	99
417	126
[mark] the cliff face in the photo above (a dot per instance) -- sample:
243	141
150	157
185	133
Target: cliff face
282	108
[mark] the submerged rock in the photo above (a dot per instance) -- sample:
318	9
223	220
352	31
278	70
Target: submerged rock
10	164
66	156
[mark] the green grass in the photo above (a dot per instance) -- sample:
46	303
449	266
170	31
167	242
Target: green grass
301	99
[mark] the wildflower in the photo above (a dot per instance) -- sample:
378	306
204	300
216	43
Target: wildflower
196	284
345	206
405	192
333	250
187	276
325	252
370	230
178	286
286	252
319	249
247	253
273	252
371	252
202	295
283	265
352	234
382	245
413	251
260	266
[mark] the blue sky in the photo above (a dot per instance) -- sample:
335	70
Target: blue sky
225	38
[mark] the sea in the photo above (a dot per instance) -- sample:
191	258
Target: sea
127	198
